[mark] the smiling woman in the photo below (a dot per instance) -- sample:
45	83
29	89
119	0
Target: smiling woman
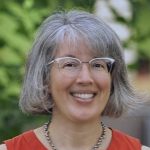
76	73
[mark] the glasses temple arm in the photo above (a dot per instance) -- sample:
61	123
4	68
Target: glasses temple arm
50	62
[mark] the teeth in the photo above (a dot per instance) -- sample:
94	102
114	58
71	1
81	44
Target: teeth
83	95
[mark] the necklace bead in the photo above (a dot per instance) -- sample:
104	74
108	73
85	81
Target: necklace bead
100	140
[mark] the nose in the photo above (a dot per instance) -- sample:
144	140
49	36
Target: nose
85	76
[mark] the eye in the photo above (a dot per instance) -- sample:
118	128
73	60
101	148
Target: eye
70	64
98	65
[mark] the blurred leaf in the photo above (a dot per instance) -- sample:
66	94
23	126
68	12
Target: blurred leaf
27	4
8	30
13	88
7	25
142	21
9	56
3	77
144	47
16	10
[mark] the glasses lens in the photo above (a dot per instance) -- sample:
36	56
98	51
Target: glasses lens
69	66
100	65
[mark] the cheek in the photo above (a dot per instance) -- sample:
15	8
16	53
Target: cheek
105	82
55	82
59	83
54	79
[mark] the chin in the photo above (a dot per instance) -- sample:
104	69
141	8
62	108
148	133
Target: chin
84	117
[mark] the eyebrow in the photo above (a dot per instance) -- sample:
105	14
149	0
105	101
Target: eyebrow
68	55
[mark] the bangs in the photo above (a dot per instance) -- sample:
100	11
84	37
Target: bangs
73	36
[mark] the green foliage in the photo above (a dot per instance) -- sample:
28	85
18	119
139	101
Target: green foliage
19	20
141	27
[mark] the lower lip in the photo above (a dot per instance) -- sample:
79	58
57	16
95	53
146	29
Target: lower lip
82	100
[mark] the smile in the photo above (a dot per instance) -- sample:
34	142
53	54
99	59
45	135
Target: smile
83	96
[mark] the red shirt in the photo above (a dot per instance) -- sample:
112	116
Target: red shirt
29	141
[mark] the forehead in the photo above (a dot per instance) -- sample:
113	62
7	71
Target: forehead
74	49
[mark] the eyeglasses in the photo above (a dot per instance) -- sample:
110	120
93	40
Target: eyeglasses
69	66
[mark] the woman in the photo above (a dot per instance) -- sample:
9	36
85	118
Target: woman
76	73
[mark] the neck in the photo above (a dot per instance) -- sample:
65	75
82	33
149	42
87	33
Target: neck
74	135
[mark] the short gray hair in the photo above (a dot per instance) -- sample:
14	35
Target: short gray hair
102	40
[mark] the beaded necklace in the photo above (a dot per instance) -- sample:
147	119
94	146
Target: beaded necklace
101	138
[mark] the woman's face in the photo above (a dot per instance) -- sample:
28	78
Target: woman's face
84	96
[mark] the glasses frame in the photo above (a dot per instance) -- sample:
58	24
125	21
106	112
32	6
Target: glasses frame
104	58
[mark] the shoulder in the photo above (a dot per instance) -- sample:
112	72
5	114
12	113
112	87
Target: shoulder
124	137
3	147
145	148
126	141
22	140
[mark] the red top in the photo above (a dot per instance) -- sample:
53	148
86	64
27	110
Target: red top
29	141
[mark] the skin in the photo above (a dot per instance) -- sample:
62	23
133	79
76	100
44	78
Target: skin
76	121
67	106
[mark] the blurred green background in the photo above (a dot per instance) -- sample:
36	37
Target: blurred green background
19	20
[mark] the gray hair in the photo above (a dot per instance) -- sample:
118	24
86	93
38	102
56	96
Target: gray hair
75	26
